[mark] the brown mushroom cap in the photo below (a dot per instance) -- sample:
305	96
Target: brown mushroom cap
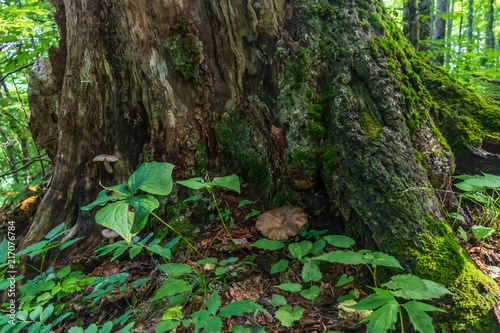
105	157
281	223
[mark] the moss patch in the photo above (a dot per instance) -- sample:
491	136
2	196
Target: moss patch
371	126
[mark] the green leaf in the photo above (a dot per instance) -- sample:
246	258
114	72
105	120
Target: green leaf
63	272
310	293
142	206
214	324
46	313
213	303
54	232
75	329
91	329
267	244
167	326
457	217
278	300
228	261
176	270
420	320
172	287
238	308
299	250
463	233
482	232
154	178
279	266
36	312
286	315
230	182
374	301
311	272
412	287
318	246
194	183
114	216
117	192
106	328
344	279
221	270
340	241
241	329
126	328
206	261
135	250
292	287
382	319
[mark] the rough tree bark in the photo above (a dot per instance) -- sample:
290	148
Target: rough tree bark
426	8
320	104
489	40
412	28
440	29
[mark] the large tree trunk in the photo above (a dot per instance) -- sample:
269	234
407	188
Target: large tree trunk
339	115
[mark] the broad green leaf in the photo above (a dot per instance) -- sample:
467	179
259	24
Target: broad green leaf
463	233
221	270
214	324
142	206
374	301
457	217
46	313
230	182
310	293
167	326
292	287
412	287
318	246
54	232
420	320
171	313
213	303
206	261
172	287
75	329
279	266
278	300
342	257
238	308
382	319
126	328
267	244
383	259
194	183
339	241
135	251
228	261
311	272
154	178
114	216
117	192
344	279
92	328
241	329
63	272
286	315
175	269
36	312
299	250
35	328
22	315
482	232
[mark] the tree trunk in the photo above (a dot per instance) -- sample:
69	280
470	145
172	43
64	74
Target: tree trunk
490	17
426	8
449	26
339	115
440	29
412	28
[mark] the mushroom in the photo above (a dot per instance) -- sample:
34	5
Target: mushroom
281	223
106	159
111	234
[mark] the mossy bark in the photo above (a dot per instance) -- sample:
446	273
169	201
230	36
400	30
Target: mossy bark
321	104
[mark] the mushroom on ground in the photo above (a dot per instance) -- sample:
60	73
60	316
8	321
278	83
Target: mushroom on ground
281	223
111	234
106	159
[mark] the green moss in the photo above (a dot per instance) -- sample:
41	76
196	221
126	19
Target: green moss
315	111
377	21
316	130
420	160
185	51
371	126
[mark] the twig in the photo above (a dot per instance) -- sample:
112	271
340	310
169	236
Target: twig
24	166
15	70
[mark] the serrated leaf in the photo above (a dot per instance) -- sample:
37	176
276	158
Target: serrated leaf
344	279
267	244
278	300
374	301
213	303
279	266
238	308
382	319
421	321
214	324
172	287
311	272
310	293
175	269
287	315
300	250
154	178
291	287
414	288
339	241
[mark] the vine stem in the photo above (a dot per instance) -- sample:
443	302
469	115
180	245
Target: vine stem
401	318
223	223
374	276
178	234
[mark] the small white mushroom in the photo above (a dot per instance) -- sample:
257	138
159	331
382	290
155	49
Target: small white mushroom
106	159
111	234
281	223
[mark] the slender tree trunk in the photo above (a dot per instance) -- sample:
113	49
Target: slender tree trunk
230	86
440	28
426	9
449	28
490	17
413	30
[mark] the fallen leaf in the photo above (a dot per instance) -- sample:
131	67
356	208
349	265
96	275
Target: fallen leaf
25	204
33	188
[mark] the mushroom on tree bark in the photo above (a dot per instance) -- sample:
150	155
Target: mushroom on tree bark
106	159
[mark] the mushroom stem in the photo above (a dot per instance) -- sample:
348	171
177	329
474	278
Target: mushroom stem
108	166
